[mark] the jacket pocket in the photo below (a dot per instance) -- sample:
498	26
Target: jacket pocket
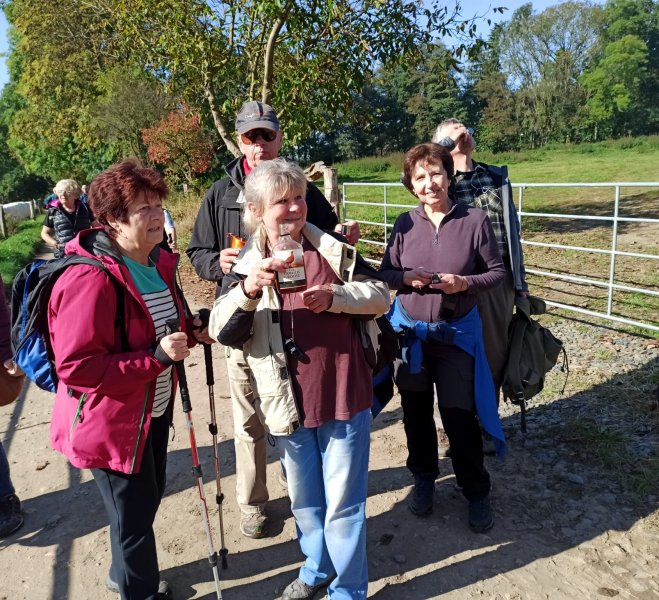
78	416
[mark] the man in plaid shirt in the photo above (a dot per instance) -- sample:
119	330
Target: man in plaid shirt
487	187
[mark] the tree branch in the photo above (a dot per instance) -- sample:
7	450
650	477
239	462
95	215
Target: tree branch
269	58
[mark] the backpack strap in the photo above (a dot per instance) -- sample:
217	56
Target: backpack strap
513	375
120	316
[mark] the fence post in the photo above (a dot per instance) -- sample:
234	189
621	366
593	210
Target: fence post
3	224
614	248
331	185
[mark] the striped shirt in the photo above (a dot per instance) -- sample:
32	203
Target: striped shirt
158	300
479	189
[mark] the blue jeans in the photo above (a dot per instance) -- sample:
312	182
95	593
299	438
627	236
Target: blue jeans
6	487
327	472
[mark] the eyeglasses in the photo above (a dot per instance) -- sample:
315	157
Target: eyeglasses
250	137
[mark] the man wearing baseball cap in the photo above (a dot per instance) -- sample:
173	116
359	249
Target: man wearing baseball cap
220	217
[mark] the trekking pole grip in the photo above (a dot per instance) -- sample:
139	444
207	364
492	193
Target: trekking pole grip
171	326
208	361
204	317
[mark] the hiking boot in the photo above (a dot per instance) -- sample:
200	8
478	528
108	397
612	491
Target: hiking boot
11	517
423	496
481	517
163	587
10	524
253	525
299	590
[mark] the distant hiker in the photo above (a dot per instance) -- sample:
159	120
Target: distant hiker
84	193
114	403
488	187
212	255
66	216
310	371
49	199
11	377
440	256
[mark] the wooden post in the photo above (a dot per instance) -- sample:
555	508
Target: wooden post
3	224
331	184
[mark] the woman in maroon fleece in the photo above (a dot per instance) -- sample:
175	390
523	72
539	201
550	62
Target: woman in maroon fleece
439	257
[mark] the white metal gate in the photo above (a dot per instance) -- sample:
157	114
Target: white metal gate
611	284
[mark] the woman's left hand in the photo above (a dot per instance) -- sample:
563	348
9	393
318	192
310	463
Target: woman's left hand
201	335
451	284
318	298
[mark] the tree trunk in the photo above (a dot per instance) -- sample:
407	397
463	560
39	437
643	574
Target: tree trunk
222	129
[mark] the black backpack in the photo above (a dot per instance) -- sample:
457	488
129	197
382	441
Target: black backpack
532	352
379	341
30	339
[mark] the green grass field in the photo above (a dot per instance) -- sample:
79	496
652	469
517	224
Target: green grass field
625	160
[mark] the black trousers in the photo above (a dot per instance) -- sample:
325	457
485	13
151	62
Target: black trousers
452	375
131	503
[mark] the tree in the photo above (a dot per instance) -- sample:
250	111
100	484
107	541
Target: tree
306	58
129	101
615	85
623	84
543	55
56	57
180	143
15	182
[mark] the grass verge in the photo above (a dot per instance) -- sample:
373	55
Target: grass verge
17	250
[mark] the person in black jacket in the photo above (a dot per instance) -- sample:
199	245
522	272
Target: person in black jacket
220	216
66	216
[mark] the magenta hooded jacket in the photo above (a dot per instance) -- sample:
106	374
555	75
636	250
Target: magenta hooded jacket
102	410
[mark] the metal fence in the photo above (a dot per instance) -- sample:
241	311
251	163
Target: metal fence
611	284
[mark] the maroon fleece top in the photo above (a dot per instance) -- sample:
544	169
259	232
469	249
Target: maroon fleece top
463	244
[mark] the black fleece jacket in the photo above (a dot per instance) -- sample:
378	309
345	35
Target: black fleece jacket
221	214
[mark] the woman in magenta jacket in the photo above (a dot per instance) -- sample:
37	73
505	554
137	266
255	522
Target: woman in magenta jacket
113	405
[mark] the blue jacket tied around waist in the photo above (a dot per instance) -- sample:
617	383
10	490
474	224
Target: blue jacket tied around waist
467	334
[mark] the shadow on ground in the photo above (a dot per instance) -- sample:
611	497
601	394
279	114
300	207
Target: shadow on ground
551	494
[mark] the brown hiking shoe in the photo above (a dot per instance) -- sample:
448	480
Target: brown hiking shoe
253	525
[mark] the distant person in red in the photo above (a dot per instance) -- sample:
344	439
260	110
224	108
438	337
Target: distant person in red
66	216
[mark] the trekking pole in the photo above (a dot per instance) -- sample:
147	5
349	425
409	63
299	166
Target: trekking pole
204	314
172	325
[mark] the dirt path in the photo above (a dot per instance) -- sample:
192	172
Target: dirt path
576	514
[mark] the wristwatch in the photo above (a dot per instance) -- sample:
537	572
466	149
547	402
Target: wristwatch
447	143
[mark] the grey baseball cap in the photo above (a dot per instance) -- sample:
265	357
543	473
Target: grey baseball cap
254	114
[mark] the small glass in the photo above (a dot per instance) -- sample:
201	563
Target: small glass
235	242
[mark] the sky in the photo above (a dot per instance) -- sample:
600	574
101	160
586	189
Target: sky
469	8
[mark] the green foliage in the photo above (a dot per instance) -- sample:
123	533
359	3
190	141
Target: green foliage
615	85
17	250
15	182
306	58
128	101
348	79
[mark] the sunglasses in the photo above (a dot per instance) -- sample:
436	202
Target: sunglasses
250	137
